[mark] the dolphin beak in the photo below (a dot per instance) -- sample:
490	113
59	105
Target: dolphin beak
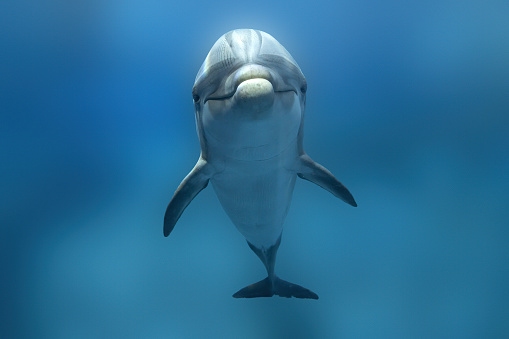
254	96
252	71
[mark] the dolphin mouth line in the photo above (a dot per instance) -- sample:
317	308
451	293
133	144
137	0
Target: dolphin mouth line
251	72
232	93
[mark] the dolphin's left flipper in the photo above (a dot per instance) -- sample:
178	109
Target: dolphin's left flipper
189	188
321	176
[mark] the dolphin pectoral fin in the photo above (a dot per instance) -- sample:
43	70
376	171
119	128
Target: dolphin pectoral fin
189	188
321	176
280	287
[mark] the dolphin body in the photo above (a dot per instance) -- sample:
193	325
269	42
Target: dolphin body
249	97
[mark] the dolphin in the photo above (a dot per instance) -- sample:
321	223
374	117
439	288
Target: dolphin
249	99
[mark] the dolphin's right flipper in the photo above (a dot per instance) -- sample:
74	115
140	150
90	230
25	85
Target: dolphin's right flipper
189	188
321	176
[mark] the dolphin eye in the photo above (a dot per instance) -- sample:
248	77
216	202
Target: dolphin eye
196	97
304	88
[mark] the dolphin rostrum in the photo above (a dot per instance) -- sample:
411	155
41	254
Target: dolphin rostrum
249	97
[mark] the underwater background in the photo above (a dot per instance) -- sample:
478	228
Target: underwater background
407	104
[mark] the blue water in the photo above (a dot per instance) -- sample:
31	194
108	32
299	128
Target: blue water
407	105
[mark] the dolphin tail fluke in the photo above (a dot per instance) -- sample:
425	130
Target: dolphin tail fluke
272	285
317	174
189	188
280	287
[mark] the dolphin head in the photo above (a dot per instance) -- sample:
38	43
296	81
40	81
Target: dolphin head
249	97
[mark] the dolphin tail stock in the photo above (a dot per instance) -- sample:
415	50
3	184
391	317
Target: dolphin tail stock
272	285
189	188
319	175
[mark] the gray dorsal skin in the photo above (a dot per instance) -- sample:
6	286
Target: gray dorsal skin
249	97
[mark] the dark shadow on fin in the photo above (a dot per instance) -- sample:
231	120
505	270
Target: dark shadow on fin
319	175
189	188
287	289
282	288
263	288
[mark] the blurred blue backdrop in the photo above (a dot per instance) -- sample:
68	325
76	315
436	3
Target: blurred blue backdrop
408	105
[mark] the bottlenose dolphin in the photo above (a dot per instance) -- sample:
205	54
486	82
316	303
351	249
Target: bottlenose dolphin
249	98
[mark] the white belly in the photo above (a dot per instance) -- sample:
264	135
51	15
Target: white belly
254	154
256	196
